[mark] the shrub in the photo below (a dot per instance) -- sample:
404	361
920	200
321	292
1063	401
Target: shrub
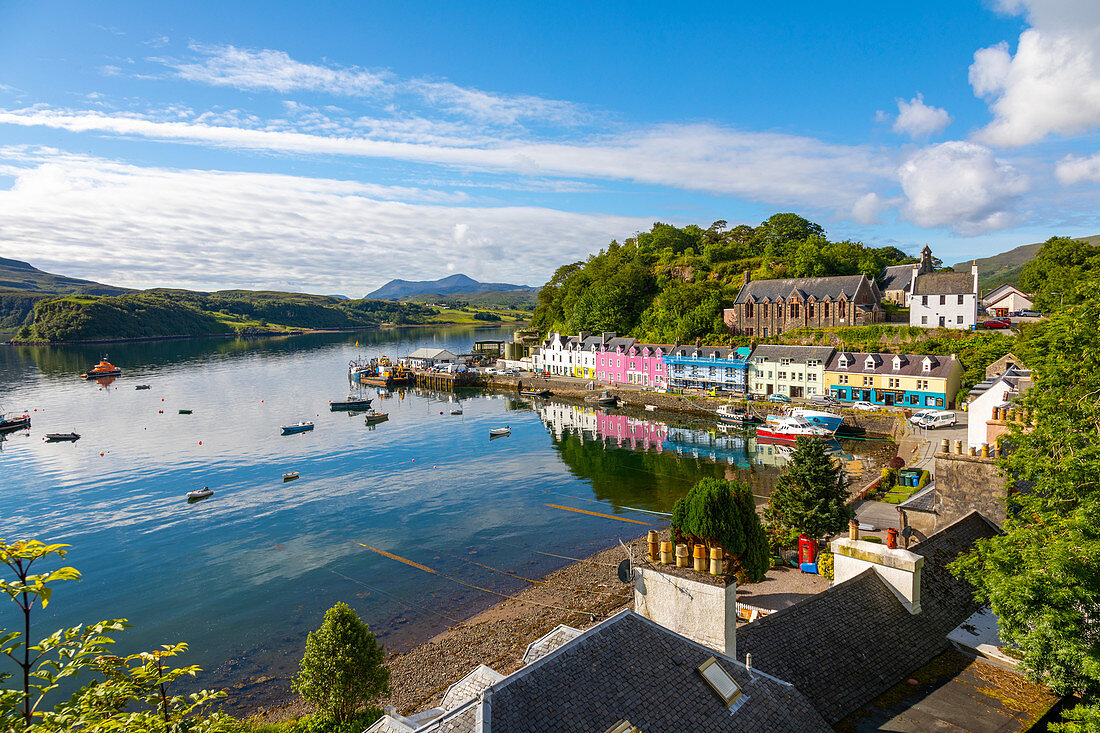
925	479
897	462
342	667
722	513
825	565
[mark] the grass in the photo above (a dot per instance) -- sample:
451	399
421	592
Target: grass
456	315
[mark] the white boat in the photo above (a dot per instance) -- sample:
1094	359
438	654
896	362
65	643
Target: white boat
828	420
500	431
456	411
651	408
290	476
200	493
791	428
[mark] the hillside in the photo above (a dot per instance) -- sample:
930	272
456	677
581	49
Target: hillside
16	275
523	299
449	286
1007	266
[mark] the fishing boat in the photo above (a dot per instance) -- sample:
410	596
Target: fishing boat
290	476
496	432
185	412
373	417
731	415
103	369
299	427
7	424
199	494
58	437
791	429
544	393
353	402
143	386
828	420
380	372
603	398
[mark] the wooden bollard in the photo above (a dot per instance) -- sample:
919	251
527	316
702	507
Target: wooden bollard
699	554
666	553
654	545
683	556
717	561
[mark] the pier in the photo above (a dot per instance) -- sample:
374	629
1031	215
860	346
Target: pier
445	382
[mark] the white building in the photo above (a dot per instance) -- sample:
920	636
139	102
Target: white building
997	392
429	357
944	299
1006	299
558	354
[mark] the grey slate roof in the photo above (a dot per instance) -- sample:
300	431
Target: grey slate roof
819	287
774	352
897	277
944	283
912	365
922	501
844	647
630	668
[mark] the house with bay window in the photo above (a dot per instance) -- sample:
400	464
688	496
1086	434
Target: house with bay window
792	371
909	380
708	367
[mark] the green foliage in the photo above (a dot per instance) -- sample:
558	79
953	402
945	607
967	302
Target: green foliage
1042	576
810	496
1060	272
722	513
924	480
342	668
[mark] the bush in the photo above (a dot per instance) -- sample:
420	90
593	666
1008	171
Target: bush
897	462
925	479
722	513
825	565
342	667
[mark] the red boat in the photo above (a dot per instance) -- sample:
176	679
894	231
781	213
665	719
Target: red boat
790	429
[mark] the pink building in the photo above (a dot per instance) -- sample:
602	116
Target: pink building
638	434
625	361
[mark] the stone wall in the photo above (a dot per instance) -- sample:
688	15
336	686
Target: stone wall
965	483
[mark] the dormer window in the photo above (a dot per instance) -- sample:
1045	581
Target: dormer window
926	365
843	362
897	363
869	365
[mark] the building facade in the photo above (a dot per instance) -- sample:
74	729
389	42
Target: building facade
909	380
944	299
792	371
1001	391
1006	299
708	367
765	308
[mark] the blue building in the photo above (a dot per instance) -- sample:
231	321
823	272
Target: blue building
707	367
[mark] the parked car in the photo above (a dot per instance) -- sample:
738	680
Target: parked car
941	419
996	323
822	399
776	397
919	415
865	406
1028	313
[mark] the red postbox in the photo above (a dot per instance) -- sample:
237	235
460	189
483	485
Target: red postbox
807	549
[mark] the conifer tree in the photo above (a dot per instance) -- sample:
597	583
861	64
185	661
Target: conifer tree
811	495
722	513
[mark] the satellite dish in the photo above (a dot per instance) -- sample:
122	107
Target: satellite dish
624	571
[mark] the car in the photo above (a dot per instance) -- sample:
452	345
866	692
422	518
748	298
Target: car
996	323
1029	313
865	406
822	399
776	397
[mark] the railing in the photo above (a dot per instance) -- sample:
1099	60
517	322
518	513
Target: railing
734	363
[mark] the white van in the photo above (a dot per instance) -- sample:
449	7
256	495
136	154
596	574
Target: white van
938	420
919	415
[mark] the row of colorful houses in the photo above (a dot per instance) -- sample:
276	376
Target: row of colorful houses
909	380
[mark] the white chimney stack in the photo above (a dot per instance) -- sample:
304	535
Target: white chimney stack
899	569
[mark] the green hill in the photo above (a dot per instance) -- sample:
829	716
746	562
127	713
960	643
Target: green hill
16	275
521	299
1006	267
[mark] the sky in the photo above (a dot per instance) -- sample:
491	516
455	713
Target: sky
328	147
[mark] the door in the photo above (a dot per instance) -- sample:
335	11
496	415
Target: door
941	321
889	399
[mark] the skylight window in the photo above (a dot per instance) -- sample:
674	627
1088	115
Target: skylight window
720	681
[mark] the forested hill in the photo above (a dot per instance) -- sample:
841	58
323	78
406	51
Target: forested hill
669	285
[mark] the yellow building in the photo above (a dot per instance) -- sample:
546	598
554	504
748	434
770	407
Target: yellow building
909	380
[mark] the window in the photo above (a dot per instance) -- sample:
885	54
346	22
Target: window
914	399
748	309
943	300
812	377
794	310
784	362
868	381
809	310
924	320
825	310
748	331
813	362
779	375
960	303
959	319
924	300
797	377
765	310
922	384
894	383
842	379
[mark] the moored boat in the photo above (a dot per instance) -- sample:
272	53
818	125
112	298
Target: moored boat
290	476
103	369
373	417
603	398
496	432
199	494
57	437
7	424
185	412
731	415
791	429
351	403
828	420
299	427
380	372
143	386
535	393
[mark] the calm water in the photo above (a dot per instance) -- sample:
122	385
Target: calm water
244	575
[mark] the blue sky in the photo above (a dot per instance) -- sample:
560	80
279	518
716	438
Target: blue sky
329	147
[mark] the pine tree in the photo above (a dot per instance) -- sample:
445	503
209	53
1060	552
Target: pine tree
720	513
811	495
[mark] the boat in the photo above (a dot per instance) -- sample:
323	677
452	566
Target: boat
494	432
143	386
103	369
791	429
7	424
299	427
185	412
603	398
290	476
57	437
373	417
456	411
199	494
651	408
351	403
828	420
731	415
544	393
380	372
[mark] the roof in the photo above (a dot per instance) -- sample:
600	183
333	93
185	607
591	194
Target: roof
912	365
897	277
944	283
818	287
1017	378
844	647
773	352
1003	291
430	353
922	501
539	648
630	668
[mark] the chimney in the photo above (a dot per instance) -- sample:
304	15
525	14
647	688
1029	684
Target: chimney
699	606
899	569
974	273
745	279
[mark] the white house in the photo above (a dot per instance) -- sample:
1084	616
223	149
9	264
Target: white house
427	357
1006	299
944	299
997	392
557	354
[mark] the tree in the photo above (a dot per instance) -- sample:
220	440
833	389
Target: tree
342	668
810	497
721	513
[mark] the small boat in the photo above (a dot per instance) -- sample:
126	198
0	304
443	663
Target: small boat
143	386
290	476
57	437
299	427
828	420
791	429
351	403
185	412
7	424
373	417
543	393
651	408
103	369
603	398
506	430
456	411
199	494
731	415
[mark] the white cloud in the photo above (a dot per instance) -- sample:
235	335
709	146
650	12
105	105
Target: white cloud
780	169
1072	169
1052	83
868	209
918	120
960	185
144	227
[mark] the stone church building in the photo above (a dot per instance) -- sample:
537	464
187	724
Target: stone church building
767	307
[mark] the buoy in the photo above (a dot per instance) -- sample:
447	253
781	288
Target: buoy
441	412
101	453
200	442
162	399
160	412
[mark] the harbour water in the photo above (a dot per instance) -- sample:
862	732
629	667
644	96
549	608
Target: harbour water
244	575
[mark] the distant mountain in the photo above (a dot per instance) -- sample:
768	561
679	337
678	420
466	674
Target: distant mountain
1006	267
22	276
396	289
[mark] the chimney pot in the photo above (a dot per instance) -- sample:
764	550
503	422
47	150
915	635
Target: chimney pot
945	446
853	530
892	538
666	553
717	560
958	447
699	555
682	556
985	450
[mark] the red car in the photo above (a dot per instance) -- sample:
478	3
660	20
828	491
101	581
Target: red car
996	323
